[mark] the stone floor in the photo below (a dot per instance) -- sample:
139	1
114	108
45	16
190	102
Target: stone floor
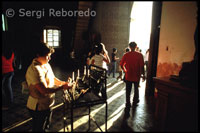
139	119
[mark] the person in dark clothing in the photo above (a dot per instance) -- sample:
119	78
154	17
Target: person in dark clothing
7	76
8	64
113	62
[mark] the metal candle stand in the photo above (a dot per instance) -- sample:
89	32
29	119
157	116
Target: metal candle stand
94	83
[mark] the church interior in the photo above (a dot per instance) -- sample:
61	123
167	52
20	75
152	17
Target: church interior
168	95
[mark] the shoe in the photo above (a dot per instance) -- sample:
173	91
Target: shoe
136	101
126	113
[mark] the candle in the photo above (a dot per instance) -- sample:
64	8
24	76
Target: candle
88	72
72	76
78	73
84	70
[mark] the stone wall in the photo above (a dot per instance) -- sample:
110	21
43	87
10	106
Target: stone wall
112	21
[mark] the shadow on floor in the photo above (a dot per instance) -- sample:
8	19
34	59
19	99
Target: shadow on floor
139	118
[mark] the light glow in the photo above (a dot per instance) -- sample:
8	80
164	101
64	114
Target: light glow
140	25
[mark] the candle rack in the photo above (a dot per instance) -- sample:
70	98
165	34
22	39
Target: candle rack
89	90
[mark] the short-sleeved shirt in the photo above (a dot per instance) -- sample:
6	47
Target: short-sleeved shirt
38	73
98	61
113	57
133	62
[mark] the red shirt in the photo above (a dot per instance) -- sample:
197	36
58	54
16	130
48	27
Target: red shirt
7	64
132	62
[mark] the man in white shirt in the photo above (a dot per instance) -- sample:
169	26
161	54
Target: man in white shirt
42	85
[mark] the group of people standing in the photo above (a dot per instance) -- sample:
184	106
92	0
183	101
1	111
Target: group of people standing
43	84
132	64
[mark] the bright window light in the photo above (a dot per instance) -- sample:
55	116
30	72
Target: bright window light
52	37
140	25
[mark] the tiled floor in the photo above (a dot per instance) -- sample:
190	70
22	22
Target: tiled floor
139	119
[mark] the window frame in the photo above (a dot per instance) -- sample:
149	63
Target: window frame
45	37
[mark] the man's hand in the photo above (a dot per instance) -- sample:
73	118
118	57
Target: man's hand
68	85
69	80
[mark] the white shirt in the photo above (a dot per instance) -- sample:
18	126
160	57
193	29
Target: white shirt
98	61
37	73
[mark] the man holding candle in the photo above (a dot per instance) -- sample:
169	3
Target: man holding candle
42	85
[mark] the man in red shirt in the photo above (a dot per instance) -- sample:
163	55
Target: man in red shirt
133	65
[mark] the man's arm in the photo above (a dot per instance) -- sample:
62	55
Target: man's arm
116	58
106	58
58	82
122	64
43	90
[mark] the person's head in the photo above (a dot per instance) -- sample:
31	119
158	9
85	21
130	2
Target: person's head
98	48
127	49
43	53
114	50
132	46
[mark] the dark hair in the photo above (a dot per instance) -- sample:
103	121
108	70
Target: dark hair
43	49
7	51
127	49
98	48
132	45
114	49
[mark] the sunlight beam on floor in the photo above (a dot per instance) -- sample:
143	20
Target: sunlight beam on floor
115	85
110	122
84	119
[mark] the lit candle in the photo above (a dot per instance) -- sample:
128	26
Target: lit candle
78	73
84	70
72	76
88	72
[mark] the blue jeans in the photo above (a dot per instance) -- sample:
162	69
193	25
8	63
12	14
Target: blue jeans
7	92
113	68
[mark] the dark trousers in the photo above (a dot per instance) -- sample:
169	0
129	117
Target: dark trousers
40	119
113	68
128	91
7	92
